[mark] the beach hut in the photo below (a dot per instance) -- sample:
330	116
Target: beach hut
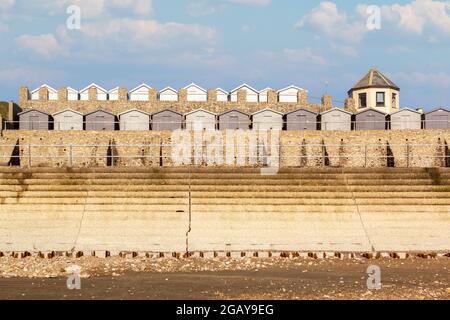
33	119
68	120
336	119
267	119
100	120
167	120
134	120
234	120
301	119
200	120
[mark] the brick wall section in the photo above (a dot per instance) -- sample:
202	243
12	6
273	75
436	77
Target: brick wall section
62	94
153	105
350	105
302	98
43	94
182	95
23	97
92	94
272	96
123	94
241	96
316	147
212	96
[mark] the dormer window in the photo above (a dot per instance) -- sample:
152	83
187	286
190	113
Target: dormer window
380	99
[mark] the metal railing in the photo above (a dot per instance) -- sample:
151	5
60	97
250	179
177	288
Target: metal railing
223	125
288	155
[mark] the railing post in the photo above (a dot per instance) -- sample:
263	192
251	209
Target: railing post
29	156
323	155
407	155
70	156
365	156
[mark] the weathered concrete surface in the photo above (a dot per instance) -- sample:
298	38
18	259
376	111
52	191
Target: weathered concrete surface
147	209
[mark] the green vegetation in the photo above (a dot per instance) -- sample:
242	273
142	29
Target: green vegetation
3	109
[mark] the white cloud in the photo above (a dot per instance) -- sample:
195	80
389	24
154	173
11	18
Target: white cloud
420	14
138	34
327	20
6	4
98	8
44	45
421	79
304	55
417	17
19	75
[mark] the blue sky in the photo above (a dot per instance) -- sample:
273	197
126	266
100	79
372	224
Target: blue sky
317	45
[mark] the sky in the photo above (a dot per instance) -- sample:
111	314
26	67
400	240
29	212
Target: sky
321	46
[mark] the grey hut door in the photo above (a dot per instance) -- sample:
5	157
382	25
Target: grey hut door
167	122
34	123
301	120
336	122
405	121
370	121
68	122
233	122
99	122
440	121
134	122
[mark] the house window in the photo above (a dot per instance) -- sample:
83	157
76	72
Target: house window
380	99
394	100
363	100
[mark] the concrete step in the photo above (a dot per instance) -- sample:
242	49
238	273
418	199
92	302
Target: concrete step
220	181
224	169
106	209
124	195
93	200
207	175
227	188
282	208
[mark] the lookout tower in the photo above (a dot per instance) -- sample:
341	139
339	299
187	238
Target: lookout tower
376	91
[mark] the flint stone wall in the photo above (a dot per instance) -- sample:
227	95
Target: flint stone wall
296	148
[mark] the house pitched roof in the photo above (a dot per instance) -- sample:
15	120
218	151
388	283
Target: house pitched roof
30	110
374	79
45	86
443	109
134	109
233	110
93	85
291	87
246	86
199	110
371	109
221	90
168	89
267	109
196	86
301	109
168	109
140	86
405	109
67	110
100	110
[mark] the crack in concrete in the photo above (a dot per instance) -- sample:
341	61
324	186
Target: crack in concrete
358	211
